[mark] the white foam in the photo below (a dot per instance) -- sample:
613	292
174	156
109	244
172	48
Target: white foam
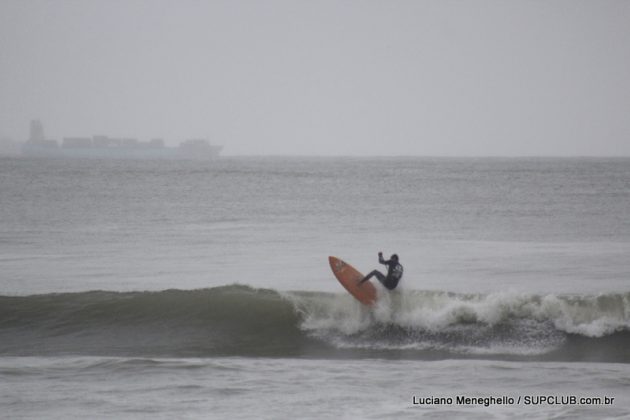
434	311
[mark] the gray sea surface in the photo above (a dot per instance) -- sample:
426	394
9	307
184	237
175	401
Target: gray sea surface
188	289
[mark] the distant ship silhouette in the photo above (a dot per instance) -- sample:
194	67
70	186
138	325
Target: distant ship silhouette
102	147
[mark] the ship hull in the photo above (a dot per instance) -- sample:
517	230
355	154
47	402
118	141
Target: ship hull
30	150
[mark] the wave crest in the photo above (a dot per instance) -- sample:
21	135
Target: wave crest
241	320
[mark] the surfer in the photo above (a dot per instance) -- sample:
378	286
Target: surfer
394	272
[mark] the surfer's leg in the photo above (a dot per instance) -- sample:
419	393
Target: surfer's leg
366	278
380	276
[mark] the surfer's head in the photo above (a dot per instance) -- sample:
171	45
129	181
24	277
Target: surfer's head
394	257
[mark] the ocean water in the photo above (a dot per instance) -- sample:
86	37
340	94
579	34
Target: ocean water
151	289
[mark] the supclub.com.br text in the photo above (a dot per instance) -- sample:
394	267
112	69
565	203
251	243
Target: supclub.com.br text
533	400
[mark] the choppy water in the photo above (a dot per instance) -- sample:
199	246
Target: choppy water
195	289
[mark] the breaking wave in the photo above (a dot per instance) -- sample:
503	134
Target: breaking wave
239	320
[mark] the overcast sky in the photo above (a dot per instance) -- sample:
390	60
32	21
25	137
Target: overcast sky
324	77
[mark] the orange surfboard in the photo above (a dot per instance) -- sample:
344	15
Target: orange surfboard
349	278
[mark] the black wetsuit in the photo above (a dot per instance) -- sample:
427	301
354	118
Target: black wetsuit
394	273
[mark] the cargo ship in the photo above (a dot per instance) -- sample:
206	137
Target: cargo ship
104	147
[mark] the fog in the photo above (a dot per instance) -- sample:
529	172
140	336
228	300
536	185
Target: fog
452	78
